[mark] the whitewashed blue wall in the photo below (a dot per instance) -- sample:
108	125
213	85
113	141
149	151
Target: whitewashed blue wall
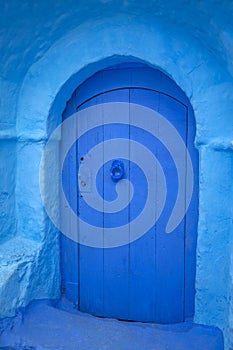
47	49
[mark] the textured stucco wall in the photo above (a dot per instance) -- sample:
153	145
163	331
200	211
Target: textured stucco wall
47	49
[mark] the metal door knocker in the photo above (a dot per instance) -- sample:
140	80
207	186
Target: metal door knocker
117	170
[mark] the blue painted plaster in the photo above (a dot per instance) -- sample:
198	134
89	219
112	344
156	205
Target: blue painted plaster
7	184
47	49
46	325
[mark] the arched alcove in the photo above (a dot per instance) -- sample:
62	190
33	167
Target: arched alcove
65	66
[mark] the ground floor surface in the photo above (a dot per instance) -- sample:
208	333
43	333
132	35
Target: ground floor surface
46	325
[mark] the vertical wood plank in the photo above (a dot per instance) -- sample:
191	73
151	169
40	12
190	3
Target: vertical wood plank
170	259
69	256
116	260
191	220
143	250
90	259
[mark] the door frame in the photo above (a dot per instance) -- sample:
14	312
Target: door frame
190	255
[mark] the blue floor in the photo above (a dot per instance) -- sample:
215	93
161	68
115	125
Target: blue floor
42	326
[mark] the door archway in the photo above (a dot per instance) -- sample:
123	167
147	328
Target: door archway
150	278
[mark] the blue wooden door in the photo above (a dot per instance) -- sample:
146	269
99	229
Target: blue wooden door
146	273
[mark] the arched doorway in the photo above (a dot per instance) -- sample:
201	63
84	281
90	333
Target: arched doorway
131	156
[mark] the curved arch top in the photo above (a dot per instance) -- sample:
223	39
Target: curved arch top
70	61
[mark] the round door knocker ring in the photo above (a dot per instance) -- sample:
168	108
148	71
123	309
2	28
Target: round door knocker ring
117	170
